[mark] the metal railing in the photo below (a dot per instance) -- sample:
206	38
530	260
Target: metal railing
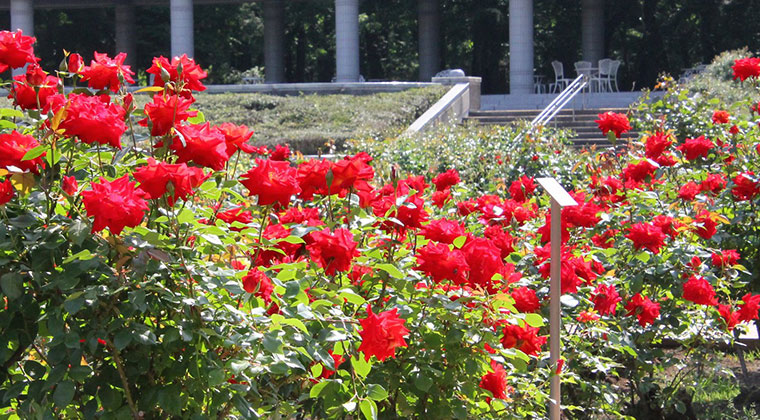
560	101
556	105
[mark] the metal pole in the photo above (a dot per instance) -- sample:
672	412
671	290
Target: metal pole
554	308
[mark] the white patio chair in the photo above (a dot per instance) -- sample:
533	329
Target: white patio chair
614	66
584	68
604	79
560	81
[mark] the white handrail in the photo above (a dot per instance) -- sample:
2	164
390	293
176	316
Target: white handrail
557	104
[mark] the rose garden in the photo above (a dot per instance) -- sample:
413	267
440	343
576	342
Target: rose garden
153	265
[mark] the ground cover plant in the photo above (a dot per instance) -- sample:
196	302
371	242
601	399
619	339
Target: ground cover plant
188	273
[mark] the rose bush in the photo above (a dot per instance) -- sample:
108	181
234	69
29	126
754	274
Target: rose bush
185	273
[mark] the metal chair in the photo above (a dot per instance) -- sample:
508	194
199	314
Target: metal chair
604	79
584	68
560	81
614	66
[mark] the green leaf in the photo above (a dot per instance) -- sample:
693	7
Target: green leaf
534	320
186	216
33	153
78	232
80	373
369	409
459	241
11	284
215	377
318	388
351	296
64	393
10	113
198	119
377	392
361	366
293	322
122	339
643	256
423	382
292	240
82	255
391	270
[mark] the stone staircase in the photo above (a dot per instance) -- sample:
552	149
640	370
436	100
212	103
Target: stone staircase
580	121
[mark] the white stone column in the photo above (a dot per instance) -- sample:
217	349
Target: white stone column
124	14
347	40
181	12
274	41
520	46
429	46
22	17
592	30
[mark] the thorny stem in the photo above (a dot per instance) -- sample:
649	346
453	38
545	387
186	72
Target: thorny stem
123	376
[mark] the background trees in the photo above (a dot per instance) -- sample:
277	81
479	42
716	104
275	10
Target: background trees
649	36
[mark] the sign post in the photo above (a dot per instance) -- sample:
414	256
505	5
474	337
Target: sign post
559	199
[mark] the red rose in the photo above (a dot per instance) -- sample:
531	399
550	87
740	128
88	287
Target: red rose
745	68
705	225
495	382
75	63
698	290
236	137
645	310
639	172
730	318
106	72
280	153
273	182
720	117
525	300
606	239
32	90
443	230
308	216
611	121
381	334
441	263
165	112
522	188
725	258
446	180
189	80
16	50
484	259
338	360
70	185
268	257
525	339
587	316
646	235
584	214
256	282
694	148
745	186
94	119
748	310
13	147
237	214
156	177
714	183
656	145
203	145
501	239
358	272
6	191
115	205
439	198
349	171
605	299
688	191
312	177
333	251
667	225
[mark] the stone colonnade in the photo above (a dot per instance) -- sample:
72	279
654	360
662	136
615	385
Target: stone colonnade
347	35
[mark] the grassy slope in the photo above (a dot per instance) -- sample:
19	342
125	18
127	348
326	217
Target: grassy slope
312	122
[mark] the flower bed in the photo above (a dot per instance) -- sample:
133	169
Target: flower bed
194	275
